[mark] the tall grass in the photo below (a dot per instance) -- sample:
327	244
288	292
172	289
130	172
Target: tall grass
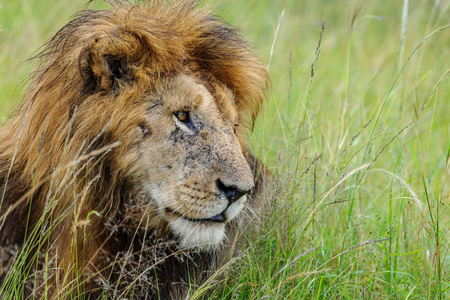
356	134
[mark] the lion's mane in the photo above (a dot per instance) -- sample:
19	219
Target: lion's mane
60	187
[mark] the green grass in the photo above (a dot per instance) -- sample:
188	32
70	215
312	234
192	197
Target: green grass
360	150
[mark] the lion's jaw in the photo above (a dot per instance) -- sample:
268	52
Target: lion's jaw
202	184
205	235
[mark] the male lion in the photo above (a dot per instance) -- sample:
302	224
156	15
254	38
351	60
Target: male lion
125	168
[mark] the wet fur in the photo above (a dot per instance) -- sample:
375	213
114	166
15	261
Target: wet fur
65	158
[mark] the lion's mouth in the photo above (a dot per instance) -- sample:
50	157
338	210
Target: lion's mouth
220	218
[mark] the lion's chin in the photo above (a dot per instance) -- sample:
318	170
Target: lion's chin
201	236
204	234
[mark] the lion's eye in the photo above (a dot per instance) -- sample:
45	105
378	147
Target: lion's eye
183	116
145	131
184	119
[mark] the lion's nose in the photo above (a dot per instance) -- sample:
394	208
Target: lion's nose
231	192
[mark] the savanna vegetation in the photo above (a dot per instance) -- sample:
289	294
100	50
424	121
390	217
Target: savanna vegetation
355	133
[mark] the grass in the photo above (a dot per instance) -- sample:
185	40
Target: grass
359	143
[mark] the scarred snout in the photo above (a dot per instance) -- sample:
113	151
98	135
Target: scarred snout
235	179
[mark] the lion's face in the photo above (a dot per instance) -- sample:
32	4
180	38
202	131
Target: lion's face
187	164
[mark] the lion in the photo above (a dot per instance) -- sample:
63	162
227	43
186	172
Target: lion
126	171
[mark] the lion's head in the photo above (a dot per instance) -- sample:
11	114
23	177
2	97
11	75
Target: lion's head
140	111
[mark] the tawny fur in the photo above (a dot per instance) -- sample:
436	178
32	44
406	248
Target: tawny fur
96	164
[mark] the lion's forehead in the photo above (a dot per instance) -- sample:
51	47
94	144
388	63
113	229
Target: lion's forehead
189	93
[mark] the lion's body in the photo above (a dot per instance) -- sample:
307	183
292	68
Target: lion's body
130	146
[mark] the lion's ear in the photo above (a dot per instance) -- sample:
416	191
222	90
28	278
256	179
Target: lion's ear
109	59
